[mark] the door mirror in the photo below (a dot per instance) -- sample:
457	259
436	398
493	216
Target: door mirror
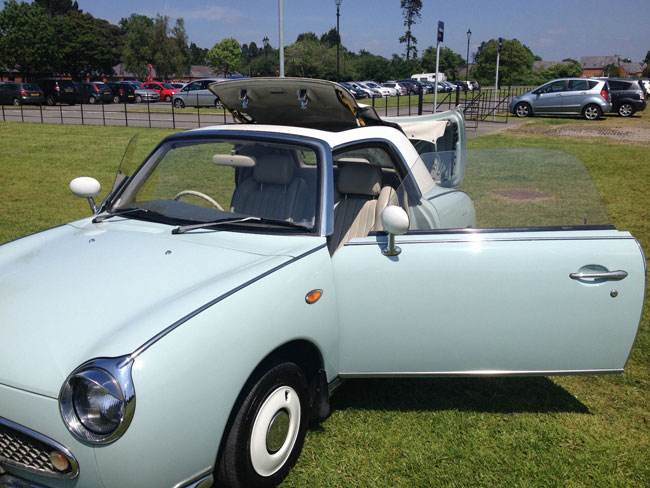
396	222
86	187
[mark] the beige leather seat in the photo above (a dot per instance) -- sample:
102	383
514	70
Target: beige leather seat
272	191
362	199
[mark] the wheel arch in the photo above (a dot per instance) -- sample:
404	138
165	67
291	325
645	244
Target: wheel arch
308	357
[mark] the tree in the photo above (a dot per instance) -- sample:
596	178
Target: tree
612	70
197	55
309	58
516	62
411	12
449	61
224	56
58	7
26	38
647	58
179	35
86	46
331	38
167	58
253	50
137	54
307	36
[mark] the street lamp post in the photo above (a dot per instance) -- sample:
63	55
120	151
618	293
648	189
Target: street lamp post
469	35
338	38
265	41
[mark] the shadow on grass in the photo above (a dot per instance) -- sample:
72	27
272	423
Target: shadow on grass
493	395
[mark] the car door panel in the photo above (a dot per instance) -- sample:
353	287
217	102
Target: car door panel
488	303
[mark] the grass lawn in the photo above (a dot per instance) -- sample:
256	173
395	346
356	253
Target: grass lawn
465	432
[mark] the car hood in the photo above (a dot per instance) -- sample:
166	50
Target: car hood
84	290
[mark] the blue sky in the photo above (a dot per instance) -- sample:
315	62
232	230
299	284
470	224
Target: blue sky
553	29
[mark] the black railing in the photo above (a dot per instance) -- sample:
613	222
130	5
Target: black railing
477	105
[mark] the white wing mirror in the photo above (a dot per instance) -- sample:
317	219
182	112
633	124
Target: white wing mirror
396	222
86	187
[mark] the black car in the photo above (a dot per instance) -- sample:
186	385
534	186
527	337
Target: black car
56	90
627	96
20	93
123	91
94	92
412	86
356	93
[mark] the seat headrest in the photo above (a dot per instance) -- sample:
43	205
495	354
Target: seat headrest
273	169
359	179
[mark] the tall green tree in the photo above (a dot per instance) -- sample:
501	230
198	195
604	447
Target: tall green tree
86	46
308	58
331	38
58	7
225	55
411	12
138	31
515	66
197	55
179	35
26	38
450	61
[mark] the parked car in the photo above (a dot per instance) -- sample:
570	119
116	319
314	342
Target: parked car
178	85
368	93
356	92
567	96
122	91
165	90
627	96
250	268
645	84
94	92
144	95
20	94
373	92
401	90
384	91
196	94
411	86
56	90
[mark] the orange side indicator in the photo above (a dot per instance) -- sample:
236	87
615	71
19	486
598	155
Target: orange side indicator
313	296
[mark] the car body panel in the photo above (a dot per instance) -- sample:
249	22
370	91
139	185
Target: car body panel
34	264
559	325
197	94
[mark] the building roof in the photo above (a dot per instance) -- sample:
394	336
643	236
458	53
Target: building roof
540	65
633	68
598	62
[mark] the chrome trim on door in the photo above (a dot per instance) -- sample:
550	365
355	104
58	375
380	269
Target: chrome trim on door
202	479
482	372
477	238
606	275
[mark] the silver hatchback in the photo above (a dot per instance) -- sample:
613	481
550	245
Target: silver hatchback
567	96
196	94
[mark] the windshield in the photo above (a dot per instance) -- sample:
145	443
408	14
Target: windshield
241	184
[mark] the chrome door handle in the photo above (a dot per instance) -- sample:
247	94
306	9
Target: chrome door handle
607	275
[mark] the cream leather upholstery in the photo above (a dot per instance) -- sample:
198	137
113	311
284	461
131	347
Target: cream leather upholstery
355	213
272	191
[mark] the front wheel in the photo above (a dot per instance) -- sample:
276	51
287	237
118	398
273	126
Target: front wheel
16	102
591	112
268	430
92	100
626	110
168	98
138	99
116	99
522	110
178	103
50	100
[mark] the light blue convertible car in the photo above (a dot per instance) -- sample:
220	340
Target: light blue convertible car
186	333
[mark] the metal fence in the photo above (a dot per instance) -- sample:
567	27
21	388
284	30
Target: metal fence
484	105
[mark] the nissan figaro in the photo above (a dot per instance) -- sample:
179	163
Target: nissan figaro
245	270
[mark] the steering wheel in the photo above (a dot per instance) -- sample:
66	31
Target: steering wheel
200	195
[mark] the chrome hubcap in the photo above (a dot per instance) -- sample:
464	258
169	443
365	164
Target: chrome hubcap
522	110
591	113
278	431
625	110
275	431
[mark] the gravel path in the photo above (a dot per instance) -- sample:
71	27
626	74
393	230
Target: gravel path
619	133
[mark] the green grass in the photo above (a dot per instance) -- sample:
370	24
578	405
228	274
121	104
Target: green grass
515	432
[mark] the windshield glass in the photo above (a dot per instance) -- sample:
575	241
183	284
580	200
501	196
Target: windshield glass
197	181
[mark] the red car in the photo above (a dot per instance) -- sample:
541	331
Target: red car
164	89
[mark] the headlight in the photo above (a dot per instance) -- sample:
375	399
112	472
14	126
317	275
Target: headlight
97	400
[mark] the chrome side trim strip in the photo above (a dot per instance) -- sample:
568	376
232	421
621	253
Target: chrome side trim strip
488	239
334	385
202	479
480	373
74	465
181	321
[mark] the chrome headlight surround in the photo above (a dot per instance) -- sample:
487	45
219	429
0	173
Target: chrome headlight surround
110	377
